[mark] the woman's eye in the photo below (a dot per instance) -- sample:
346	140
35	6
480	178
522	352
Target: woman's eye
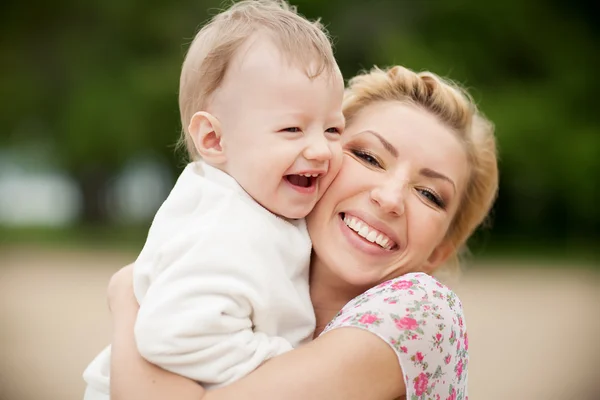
334	130
433	198
293	129
366	157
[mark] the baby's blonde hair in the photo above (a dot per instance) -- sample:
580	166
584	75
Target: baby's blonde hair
453	106
301	41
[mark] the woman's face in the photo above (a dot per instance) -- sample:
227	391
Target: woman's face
388	210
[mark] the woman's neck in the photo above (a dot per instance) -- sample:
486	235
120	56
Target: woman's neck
328	294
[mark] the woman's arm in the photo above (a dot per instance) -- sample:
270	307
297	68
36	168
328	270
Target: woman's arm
345	363
342	364
132	377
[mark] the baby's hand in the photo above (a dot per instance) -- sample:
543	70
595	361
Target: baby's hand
119	293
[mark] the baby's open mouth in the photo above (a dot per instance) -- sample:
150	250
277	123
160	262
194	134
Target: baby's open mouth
303	181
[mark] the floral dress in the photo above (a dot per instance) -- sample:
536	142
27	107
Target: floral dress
422	320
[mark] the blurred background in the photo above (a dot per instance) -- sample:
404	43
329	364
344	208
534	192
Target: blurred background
89	119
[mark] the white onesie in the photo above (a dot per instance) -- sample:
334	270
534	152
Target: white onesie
222	284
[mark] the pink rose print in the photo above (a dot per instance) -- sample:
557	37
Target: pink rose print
383	284
423	321
402	285
368	319
452	395
421	382
406	323
459	368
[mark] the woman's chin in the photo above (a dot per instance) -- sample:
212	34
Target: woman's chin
357	278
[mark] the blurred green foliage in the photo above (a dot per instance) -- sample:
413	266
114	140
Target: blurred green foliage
94	83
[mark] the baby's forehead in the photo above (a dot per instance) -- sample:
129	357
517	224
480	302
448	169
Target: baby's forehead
262	55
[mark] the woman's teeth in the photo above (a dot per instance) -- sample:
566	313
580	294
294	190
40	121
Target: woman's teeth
367	232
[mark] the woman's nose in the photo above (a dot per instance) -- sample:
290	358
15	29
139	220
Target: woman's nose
390	197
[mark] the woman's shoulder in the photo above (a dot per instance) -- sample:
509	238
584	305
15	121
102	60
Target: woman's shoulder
418	288
422	320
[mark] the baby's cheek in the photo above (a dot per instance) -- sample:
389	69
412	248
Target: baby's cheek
325	183
335	163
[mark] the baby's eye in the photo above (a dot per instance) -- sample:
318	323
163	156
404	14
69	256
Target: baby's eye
432	197
293	129
334	130
366	157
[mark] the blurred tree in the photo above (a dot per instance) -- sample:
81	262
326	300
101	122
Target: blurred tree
530	65
101	77
99	81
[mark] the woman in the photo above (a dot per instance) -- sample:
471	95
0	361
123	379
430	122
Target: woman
419	175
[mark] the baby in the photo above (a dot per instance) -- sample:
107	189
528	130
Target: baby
222	280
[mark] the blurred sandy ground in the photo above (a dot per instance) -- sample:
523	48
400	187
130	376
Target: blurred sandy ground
534	332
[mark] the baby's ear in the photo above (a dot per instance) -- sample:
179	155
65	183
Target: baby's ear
205	130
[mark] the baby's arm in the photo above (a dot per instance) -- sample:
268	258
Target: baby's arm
195	319
132	377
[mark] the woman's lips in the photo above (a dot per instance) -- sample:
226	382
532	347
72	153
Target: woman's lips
361	242
367	232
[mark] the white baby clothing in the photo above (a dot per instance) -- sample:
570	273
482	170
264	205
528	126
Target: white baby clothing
222	284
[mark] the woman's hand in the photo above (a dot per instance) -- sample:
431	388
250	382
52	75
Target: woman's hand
132	377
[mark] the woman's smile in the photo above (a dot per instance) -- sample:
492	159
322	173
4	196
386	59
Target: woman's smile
367	232
379	237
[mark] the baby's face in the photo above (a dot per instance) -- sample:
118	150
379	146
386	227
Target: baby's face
280	129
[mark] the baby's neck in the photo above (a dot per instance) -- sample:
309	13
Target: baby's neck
328	294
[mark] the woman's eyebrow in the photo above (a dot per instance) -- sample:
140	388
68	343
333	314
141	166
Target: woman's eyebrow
429	173
387	145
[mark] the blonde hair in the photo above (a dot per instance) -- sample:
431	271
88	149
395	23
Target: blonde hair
453	106
300	40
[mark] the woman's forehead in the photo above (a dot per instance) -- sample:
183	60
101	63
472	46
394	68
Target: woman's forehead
403	126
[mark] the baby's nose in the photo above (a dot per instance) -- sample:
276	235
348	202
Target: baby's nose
318	150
